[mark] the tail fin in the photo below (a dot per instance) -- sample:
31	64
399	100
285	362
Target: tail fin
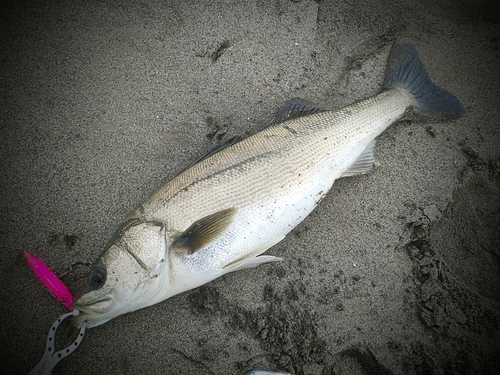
406	70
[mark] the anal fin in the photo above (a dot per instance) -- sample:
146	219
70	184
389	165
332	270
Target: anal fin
363	164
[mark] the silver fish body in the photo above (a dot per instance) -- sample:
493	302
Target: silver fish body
221	214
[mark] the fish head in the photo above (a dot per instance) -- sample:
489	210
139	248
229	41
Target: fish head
129	275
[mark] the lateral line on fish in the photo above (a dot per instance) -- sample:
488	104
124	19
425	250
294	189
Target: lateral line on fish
236	166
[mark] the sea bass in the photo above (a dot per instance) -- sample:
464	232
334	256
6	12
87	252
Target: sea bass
222	213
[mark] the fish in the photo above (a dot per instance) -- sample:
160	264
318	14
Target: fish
222	213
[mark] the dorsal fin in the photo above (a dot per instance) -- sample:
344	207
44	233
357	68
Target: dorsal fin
215	150
204	231
295	108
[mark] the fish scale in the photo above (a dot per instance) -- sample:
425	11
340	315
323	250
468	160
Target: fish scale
221	214
276	189
333	139
322	147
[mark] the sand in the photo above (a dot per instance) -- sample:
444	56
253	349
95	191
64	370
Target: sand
395	272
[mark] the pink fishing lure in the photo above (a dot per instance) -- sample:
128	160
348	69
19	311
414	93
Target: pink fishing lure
50	280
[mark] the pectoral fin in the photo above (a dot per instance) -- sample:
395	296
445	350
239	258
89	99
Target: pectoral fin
363	164
204	231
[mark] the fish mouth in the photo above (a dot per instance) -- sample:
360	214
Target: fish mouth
97	305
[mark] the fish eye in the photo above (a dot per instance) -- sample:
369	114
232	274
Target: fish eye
97	277
96	280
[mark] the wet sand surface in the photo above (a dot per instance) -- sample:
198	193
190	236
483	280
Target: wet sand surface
395	272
